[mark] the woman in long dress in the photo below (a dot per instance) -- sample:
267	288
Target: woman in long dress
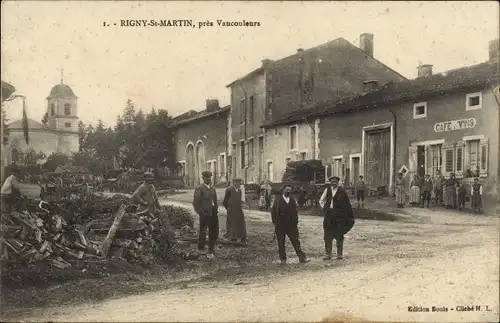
415	191
399	190
450	192
476	193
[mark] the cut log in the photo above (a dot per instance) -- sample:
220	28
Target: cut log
112	231
83	240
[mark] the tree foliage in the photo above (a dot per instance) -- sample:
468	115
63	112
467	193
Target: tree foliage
5	128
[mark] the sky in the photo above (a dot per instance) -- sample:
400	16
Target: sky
179	68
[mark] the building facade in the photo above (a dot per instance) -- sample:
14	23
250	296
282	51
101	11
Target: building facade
326	73
59	135
201	144
446	122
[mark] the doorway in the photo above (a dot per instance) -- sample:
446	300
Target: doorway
421	161
355	167
270	171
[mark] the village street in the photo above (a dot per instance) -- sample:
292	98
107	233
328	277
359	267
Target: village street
427	258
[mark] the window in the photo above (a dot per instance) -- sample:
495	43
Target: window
293	138
303	155
242	154
473	101
222	163
67	109
52	109
242	111
251	160
67	124
251	109
337	167
436	159
474	161
450	153
420	110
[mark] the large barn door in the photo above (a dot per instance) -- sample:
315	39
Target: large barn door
377	158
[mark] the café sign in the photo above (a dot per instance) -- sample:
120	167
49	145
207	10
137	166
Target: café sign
455	125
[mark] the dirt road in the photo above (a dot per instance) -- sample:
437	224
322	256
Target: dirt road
381	291
431	258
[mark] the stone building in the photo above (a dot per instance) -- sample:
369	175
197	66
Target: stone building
447	122
59	135
201	143
297	83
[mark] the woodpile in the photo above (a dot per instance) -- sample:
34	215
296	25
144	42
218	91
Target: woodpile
110	229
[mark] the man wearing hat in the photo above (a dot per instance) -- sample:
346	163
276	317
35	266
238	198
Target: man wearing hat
286	219
11	194
235	225
145	194
205	205
338	217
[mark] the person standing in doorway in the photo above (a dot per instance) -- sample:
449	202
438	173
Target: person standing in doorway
360	191
450	193
476	196
338	217
400	191
235	224
285	217
205	205
415	191
426	190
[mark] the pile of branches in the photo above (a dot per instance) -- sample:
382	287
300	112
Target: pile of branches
92	229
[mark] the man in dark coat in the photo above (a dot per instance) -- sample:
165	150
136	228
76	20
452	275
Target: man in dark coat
205	205
286	219
235	225
338	217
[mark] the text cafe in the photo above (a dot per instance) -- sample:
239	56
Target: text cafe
451	152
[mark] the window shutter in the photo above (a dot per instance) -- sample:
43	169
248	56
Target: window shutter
459	159
428	160
448	159
483	157
412	161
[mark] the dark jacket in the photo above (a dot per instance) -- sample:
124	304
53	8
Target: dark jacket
340	217
284	214
205	201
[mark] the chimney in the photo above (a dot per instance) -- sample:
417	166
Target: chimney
366	43
424	70
494	49
212	104
300	53
370	85
266	63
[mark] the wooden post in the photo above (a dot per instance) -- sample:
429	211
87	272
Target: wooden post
106	244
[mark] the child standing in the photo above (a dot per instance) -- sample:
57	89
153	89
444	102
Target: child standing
476	193
461	195
426	190
360	191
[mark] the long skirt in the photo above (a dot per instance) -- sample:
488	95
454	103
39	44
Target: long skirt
476	202
400	197
450	196
415	194
236	226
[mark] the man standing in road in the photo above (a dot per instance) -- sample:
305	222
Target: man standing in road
205	205
235	225
286	219
338	217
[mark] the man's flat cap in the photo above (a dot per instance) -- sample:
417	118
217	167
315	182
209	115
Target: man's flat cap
149	175
334	177
206	174
237	179
286	185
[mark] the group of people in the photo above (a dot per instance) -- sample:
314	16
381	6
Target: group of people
449	192
338	217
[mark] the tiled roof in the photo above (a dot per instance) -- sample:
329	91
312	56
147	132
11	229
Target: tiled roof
182	120
476	76
32	124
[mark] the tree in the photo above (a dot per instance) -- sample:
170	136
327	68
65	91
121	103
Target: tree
55	160
45	118
31	157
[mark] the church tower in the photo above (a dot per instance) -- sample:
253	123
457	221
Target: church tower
62	111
